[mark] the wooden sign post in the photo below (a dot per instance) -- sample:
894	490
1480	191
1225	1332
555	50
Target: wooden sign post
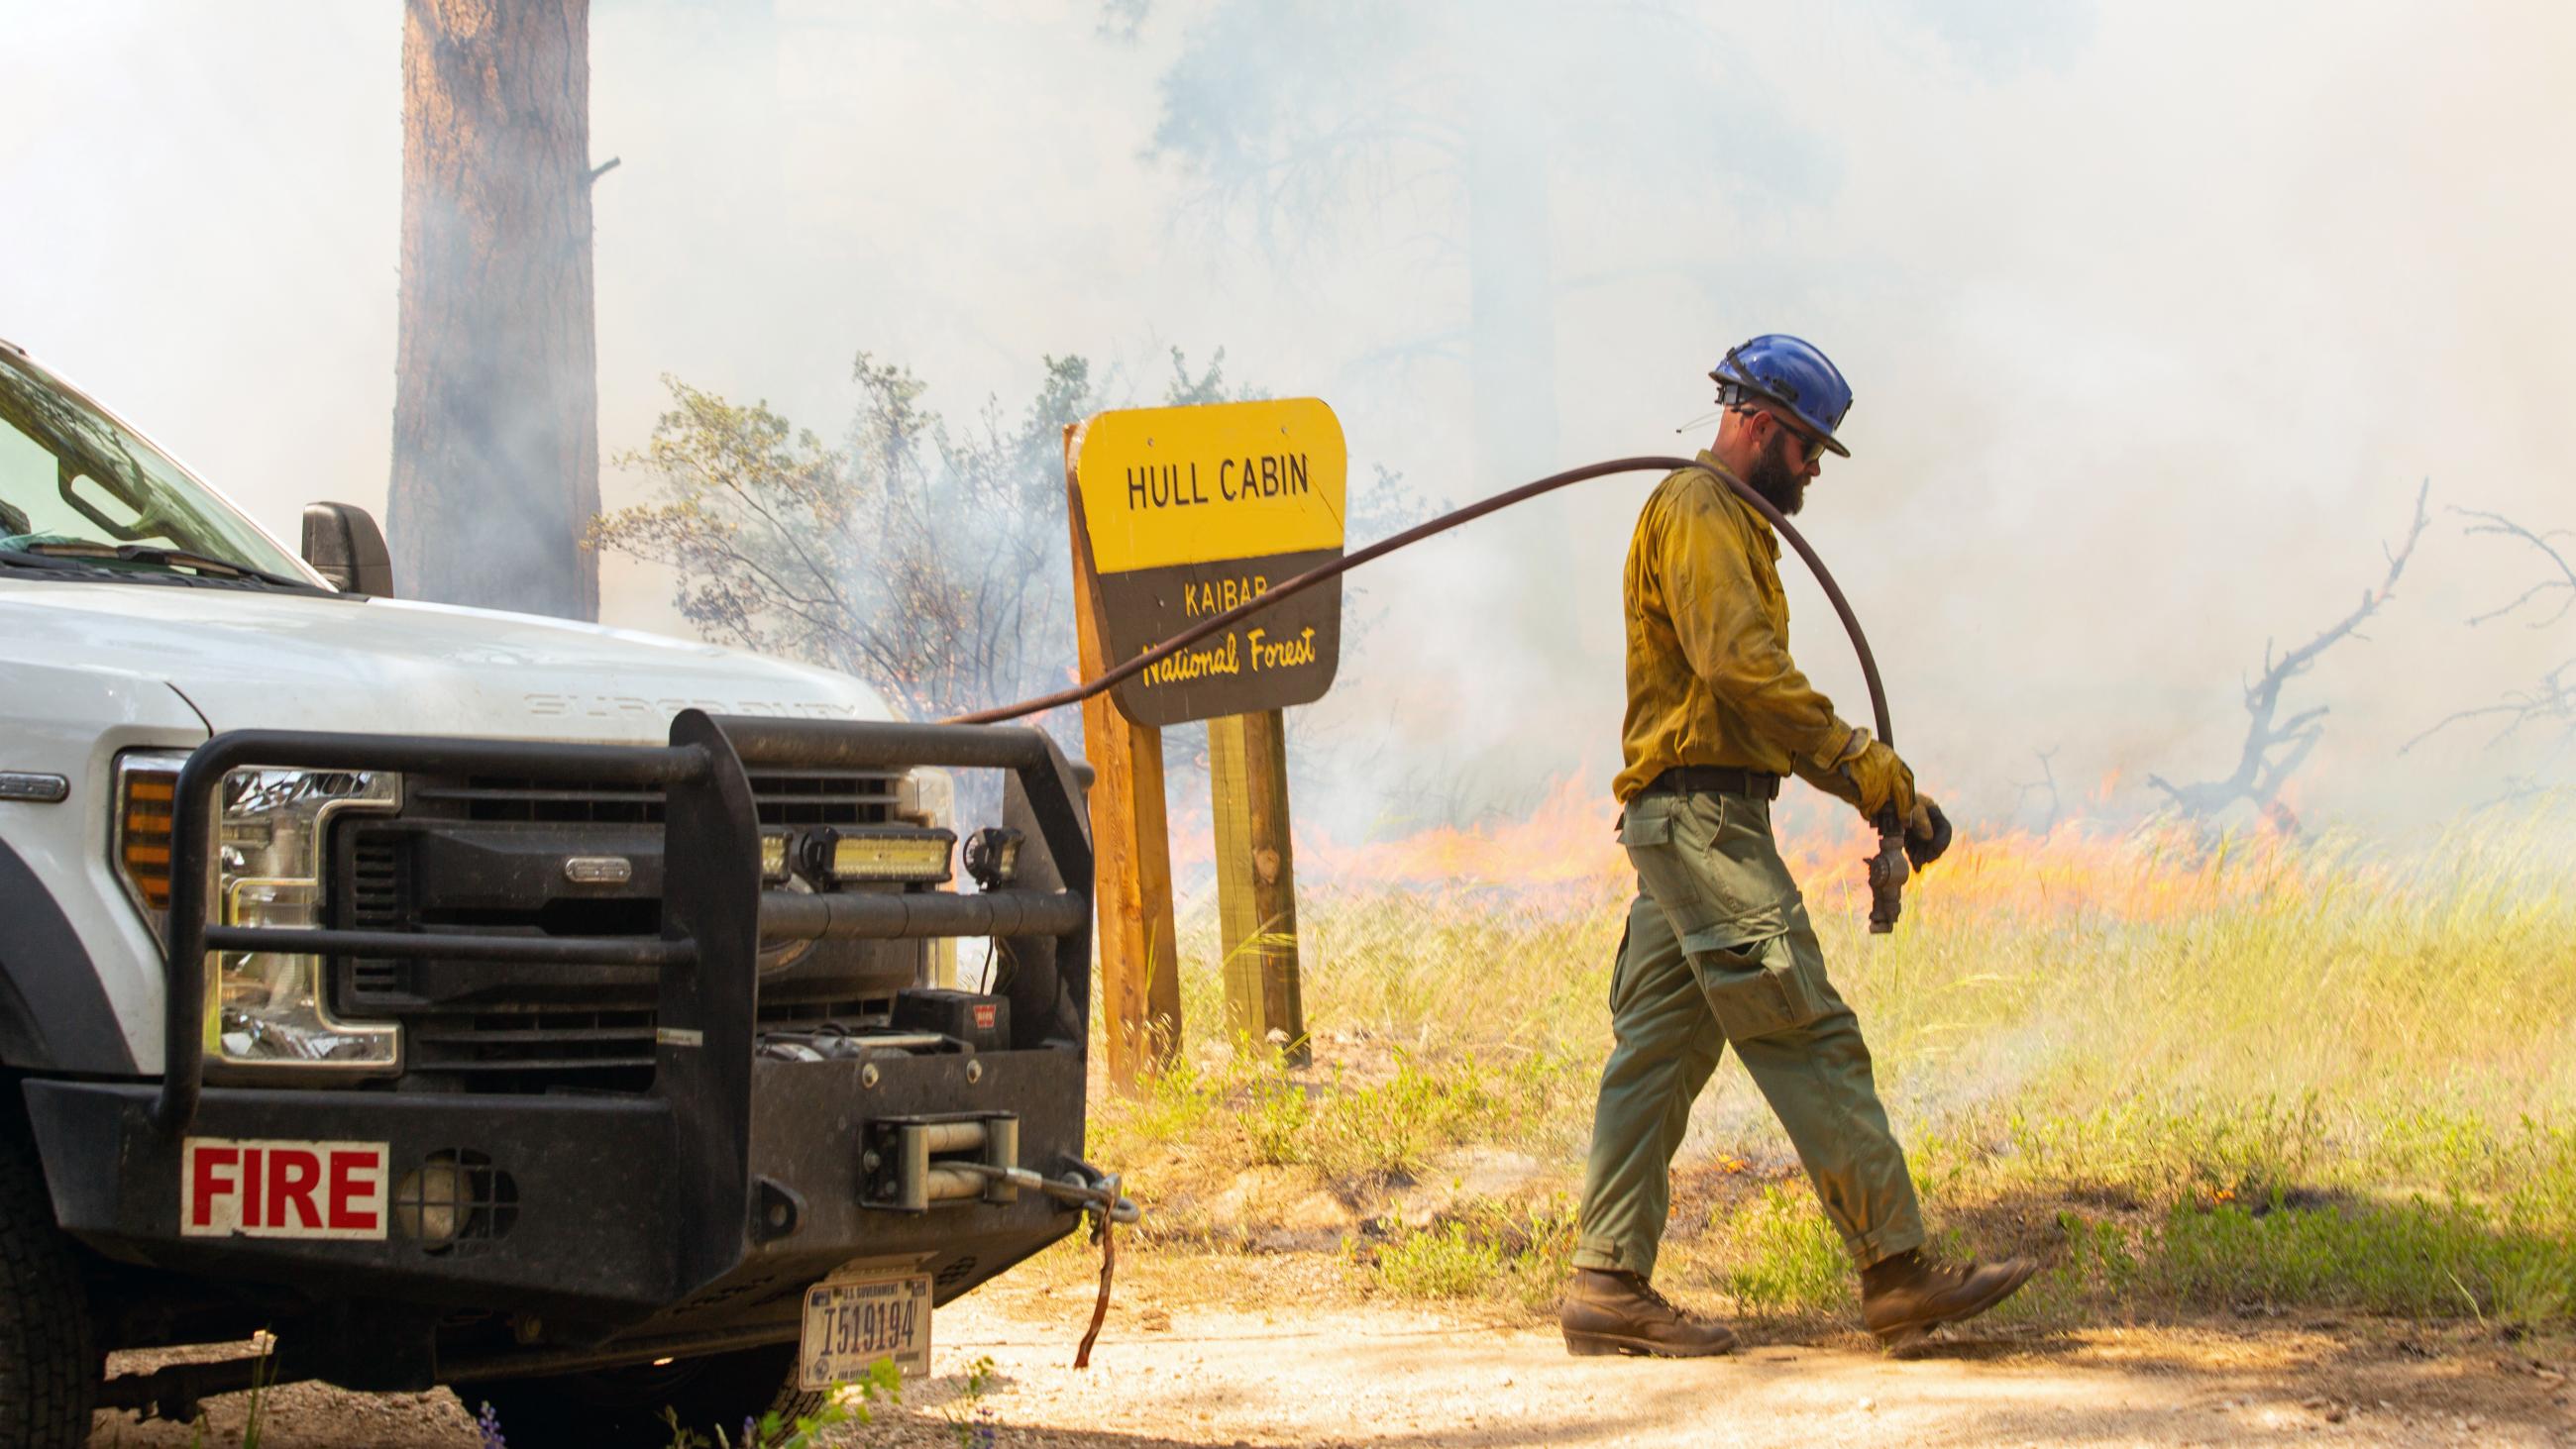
1140	978
1179	514
1256	882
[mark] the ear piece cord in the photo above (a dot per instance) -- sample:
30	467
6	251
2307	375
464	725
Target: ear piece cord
1887	869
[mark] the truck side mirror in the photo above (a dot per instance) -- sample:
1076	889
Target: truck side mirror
344	545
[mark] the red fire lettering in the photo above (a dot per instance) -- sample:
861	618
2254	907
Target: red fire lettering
293	1173
346	1183
252	1182
205	1187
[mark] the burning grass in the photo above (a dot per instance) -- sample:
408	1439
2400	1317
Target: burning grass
2193	1076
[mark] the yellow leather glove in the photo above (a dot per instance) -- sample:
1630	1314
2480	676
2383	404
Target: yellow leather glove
1878	775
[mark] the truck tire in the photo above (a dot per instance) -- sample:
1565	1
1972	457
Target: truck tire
48	1369
613	1408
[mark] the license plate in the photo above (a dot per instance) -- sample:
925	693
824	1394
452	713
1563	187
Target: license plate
851	1323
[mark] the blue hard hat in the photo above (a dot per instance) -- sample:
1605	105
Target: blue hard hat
1788	371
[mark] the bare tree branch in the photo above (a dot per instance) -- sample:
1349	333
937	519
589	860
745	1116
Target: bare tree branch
2024	789
2275	749
2564	584
914	557
2552	699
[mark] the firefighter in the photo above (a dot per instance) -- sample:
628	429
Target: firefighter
1719	950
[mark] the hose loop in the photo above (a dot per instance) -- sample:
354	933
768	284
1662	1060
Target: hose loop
1887	869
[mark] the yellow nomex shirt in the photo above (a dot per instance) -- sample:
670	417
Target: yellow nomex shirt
1710	681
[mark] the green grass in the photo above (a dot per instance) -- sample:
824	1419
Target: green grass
1449	1260
2317	1073
1512	1252
1776	1254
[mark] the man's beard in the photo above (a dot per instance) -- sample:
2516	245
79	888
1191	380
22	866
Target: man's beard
1780	485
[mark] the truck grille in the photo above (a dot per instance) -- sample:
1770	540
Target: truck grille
445	863
510	1050
793	797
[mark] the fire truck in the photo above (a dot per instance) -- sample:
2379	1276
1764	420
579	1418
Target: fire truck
408	995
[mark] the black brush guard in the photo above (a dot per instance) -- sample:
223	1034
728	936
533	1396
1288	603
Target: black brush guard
693	1212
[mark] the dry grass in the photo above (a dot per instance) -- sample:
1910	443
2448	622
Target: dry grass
2257	1070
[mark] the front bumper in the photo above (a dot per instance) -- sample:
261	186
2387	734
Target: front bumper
603	1232
700	1206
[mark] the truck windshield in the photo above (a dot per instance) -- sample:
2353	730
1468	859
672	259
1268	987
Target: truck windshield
76	482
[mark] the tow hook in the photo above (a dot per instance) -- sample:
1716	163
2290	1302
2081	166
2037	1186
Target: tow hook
1085	1186
1096	1192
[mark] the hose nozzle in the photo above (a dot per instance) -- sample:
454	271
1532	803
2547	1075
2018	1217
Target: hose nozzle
1887	875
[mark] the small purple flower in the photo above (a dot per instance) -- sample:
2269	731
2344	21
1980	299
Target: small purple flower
750	1433
488	1425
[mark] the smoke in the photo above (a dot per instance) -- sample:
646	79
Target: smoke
2156	316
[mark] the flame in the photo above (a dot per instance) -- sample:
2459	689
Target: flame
1567	848
1569	840
2152	872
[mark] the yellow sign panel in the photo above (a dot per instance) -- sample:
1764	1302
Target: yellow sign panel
1189	485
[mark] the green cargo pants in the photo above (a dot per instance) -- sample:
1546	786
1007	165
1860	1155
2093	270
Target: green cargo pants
1718	950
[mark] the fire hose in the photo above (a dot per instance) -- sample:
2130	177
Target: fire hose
1887	869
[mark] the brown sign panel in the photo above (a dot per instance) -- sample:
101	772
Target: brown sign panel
1191	511
1272	658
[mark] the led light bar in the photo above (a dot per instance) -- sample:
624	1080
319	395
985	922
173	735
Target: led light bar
773	859
913	857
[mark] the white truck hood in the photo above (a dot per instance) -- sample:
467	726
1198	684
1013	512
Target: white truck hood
288	661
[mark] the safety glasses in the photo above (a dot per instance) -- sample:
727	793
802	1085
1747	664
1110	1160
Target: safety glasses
1736	397
1811	447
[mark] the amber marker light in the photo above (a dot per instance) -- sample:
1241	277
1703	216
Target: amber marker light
145	790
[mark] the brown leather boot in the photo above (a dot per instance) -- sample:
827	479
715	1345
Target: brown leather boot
1613	1312
1904	1297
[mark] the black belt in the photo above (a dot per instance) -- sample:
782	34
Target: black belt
1716	779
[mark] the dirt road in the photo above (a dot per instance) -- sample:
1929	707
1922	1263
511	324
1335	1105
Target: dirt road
1179	1366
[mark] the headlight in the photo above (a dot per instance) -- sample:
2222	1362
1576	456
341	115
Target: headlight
263	1008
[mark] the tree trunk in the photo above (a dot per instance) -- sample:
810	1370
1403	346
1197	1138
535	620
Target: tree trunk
496	388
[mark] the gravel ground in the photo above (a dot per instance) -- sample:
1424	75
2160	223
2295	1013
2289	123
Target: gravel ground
1184	1363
